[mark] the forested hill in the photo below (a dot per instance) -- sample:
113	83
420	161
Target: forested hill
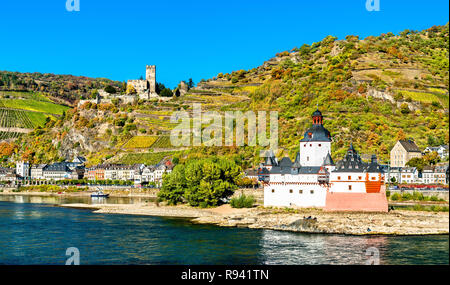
372	91
63	88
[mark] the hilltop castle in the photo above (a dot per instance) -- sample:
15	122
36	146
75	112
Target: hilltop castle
146	88
314	180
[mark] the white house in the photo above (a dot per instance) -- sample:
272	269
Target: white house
23	169
441	150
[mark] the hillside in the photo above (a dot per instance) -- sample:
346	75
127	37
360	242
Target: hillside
371	91
64	89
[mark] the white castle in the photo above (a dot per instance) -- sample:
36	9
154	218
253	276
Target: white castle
313	180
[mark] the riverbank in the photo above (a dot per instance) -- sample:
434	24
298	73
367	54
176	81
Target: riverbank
112	193
395	222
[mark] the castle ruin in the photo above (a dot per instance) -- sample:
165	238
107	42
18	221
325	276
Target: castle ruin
146	89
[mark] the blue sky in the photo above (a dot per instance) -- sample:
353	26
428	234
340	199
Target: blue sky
186	39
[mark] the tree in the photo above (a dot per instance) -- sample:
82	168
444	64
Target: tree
110	89
166	92
130	89
202	183
431	158
416	162
191	83
404	109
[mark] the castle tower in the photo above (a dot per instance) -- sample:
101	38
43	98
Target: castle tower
151	79
316	143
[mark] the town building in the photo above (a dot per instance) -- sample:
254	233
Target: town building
403	151
57	171
23	169
409	175
313	179
441	150
37	171
7	174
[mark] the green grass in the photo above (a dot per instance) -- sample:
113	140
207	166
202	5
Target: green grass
34	105
146	158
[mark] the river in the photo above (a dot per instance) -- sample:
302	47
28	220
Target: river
40	233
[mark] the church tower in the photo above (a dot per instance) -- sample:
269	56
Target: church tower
316	143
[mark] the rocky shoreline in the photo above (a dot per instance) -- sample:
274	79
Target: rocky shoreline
396	222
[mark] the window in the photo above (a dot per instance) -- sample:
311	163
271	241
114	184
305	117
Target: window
349	177
312	191
320	144
373	178
307	158
310	144
359	177
349	187
290	191
273	190
339	178
300	191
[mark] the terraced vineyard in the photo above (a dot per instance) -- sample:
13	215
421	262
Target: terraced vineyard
163	142
149	158
140	142
9	135
10	118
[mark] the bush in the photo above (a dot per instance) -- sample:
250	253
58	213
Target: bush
407	196
242	201
418	196
434	198
388	193
396	197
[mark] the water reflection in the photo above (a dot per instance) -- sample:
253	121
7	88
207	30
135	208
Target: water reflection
298	248
58	199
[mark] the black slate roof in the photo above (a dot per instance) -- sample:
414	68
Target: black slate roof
410	146
352	163
316	133
328	160
61	166
285	162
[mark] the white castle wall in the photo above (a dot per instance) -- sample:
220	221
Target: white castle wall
314	153
294	190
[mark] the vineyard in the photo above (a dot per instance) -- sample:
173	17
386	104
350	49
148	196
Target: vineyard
9	135
163	142
20	119
149	158
140	142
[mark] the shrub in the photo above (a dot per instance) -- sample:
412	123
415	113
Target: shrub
434	198
242	201
396	197
418	196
